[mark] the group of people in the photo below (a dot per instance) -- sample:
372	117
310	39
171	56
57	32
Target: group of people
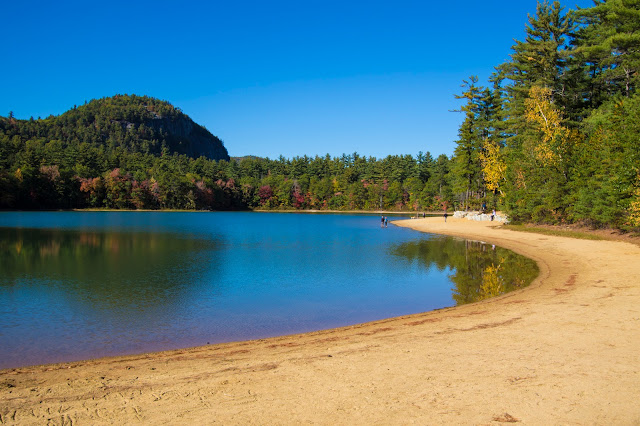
384	221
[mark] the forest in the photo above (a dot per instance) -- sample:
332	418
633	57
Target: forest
551	137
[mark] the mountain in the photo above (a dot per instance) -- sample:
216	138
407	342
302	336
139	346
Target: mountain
135	123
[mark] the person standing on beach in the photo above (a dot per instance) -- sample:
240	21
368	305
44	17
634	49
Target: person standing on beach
445	216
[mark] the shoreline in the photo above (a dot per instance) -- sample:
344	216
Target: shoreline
563	350
357	212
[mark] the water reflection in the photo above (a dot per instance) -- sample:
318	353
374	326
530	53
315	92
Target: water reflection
110	270
480	270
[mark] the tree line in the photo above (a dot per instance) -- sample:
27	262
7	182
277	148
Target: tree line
39	175
551	137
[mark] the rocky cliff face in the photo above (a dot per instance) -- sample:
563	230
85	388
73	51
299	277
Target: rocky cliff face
187	137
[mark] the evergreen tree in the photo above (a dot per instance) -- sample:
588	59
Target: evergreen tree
609	45
466	167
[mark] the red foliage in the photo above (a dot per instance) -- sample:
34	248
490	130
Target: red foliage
298	199
265	193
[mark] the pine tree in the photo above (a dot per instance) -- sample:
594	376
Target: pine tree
609	44
466	167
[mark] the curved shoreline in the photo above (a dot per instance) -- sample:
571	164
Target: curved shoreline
563	350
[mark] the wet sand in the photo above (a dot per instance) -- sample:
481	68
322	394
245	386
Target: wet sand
565	350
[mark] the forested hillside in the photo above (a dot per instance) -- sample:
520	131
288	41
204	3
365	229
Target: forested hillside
137	124
552	137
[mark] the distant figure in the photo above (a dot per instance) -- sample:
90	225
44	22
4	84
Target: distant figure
493	215
484	207
381	221
445	215
386	221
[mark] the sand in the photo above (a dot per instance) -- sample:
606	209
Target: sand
565	350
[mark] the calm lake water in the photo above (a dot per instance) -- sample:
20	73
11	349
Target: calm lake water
78	285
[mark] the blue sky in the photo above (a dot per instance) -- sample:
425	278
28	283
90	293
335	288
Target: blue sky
269	78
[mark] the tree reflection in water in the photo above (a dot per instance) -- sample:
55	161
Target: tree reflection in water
480	270
109	270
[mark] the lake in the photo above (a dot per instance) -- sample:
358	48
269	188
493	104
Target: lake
79	285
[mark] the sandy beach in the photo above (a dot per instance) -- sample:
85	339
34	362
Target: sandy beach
565	350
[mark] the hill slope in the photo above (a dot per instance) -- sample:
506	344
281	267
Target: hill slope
135	123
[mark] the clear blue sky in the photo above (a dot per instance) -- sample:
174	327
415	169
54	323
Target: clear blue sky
271	77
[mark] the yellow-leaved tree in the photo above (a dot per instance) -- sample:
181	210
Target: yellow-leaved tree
556	139
493	165
546	167
539	109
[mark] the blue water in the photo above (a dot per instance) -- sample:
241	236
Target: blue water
78	285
